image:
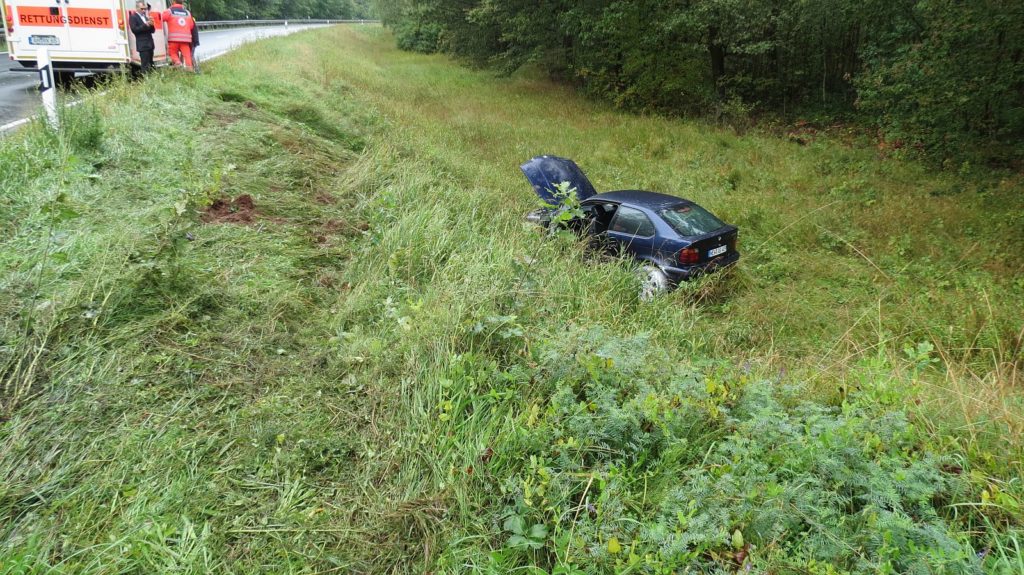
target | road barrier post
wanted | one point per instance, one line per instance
(47, 87)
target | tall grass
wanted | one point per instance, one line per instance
(385, 370)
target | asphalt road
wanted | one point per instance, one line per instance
(19, 99)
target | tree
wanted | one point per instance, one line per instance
(951, 77)
(939, 73)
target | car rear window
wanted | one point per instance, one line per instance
(691, 220)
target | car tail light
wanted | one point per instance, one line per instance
(689, 256)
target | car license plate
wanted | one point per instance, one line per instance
(44, 40)
(716, 252)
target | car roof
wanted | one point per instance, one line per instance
(650, 200)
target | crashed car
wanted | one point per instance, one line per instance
(674, 239)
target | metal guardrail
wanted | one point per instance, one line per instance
(214, 24)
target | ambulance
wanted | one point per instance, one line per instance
(80, 35)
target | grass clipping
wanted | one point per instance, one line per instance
(282, 318)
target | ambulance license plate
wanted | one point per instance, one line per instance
(44, 40)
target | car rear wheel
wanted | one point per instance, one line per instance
(653, 281)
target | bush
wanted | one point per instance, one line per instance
(939, 76)
(954, 89)
(416, 32)
(634, 463)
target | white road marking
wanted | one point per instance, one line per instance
(15, 124)
(23, 121)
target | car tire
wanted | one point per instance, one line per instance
(653, 281)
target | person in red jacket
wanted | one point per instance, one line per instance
(180, 25)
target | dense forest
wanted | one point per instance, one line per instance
(272, 9)
(944, 77)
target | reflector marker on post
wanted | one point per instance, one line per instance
(47, 87)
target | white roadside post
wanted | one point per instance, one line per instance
(46, 87)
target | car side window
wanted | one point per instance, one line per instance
(633, 222)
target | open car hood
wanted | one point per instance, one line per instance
(544, 172)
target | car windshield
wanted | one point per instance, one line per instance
(691, 220)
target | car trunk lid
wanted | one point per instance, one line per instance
(716, 244)
(545, 172)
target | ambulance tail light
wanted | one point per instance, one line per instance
(10, 19)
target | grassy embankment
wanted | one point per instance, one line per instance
(385, 370)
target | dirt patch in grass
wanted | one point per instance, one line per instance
(332, 228)
(241, 210)
(237, 98)
(346, 228)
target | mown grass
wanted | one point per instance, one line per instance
(386, 371)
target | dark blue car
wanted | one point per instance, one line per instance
(675, 239)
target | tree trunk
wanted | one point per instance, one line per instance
(717, 52)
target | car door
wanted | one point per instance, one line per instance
(633, 232)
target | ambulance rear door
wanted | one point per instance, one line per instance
(38, 23)
(96, 29)
(80, 31)
(159, 37)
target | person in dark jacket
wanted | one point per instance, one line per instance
(143, 27)
(195, 44)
